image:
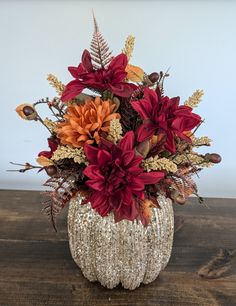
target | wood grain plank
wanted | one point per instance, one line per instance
(21, 217)
(36, 267)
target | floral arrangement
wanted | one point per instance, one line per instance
(116, 138)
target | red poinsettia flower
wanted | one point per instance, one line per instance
(110, 78)
(53, 144)
(164, 116)
(116, 178)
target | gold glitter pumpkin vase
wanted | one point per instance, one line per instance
(125, 252)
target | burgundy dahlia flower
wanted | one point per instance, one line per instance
(110, 78)
(116, 178)
(164, 116)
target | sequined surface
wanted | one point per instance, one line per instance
(125, 252)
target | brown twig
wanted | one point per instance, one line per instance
(27, 166)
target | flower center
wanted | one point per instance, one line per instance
(116, 176)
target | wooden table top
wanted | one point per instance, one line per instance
(36, 267)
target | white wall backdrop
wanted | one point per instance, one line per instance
(196, 38)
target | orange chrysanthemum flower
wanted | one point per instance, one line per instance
(85, 122)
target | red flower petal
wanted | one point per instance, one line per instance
(142, 107)
(127, 142)
(128, 156)
(151, 96)
(103, 157)
(73, 89)
(105, 144)
(53, 144)
(178, 124)
(116, 200)
(73, 71)
(119, 62)
(135, 164)
(137, 184)
(95, 184)
(126, 212)
(174, 102)
(170, 142)
(145, 131)
(127, 196)
(191, 122)
(87, 61)
(119, 75)
(93, 172)
(91, 153)
(183, 136)
(121, 89)
(151, 177)
(76, 71)
(47, 154)
(99, 202)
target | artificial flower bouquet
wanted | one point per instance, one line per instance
(116, 138)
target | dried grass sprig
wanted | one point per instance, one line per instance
(51, 125)
(63, 152)
(129, 46)
(201, 141)
(195, 99)
(156, 163)
(115, 133)
(192, 158)
(54, 82)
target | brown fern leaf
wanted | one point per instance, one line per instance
(63, 189)
(184, 184)
(188, 170)
(100, 52)
(138, 92)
